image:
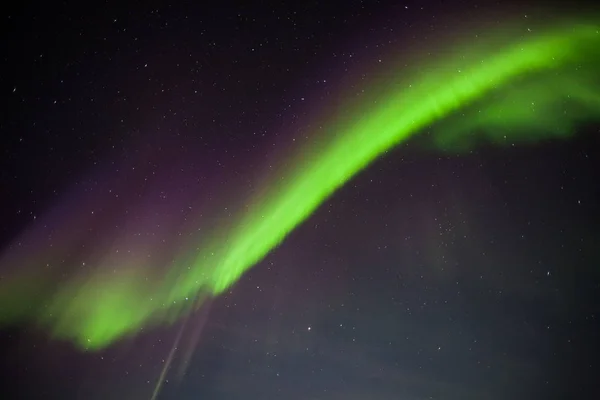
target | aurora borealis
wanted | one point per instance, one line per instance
(517, 88)
(301, 200)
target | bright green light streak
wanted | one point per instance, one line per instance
(552, 66)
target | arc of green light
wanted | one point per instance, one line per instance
(99, 311)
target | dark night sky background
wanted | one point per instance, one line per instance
(428, 276)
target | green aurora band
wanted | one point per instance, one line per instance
(537, 86)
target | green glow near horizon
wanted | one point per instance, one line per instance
(538, 86)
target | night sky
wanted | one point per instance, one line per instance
(428, 275)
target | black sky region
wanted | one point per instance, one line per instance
(428, 276)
